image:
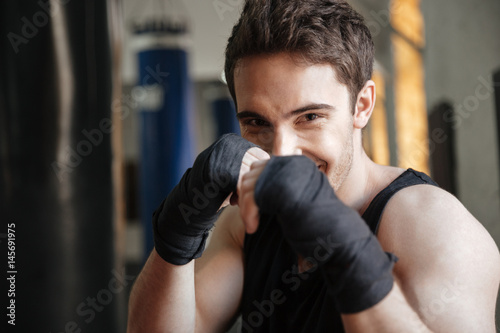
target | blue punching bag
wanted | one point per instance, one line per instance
(225, 116)
(166, 138)
(222, 108)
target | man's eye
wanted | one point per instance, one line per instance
(257, 122)
(311, 116)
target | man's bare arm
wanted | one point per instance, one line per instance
(201, 296)
(219, 275)
(163, 298)
(448, 274)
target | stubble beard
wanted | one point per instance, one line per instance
(342, 169)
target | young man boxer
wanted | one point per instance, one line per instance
(320, 239)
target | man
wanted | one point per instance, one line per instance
(293, 252)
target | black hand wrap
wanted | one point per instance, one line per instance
(182, 222)
(314, 221)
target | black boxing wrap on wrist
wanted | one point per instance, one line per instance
(356, 269)
(182, 223)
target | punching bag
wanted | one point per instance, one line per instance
(225, 115)
(166, 137)
(56, 188)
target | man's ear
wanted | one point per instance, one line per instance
(364, 105)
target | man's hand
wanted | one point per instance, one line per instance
(246, 191)
(299, 197)
(182, 222)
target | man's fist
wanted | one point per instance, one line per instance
(246, 194)
(182, 222)
(301, 199)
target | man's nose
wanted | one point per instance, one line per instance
(285, 143)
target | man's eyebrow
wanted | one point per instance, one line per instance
(248, 114)
(310, 107)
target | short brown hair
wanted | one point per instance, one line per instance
(319, 31)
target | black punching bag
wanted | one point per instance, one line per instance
(56, 187)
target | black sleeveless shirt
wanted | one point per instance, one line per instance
(276, 298)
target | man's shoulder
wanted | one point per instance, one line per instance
(422, 209)
(423, 220)
(425, 202)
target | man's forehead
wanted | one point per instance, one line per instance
(282, 74)
(283, 69)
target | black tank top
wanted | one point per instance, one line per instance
(276, 298)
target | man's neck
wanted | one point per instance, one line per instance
(365, 180)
